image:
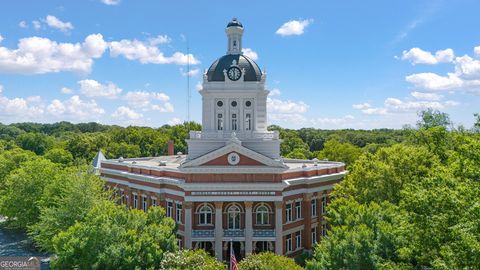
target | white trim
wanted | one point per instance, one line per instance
(306, 190)
(235, 198)
(294, 230)
(145, 188)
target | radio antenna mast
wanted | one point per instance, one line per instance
(188, 81)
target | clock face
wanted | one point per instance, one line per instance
(234, 73)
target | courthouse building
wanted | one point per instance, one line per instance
(233, 185)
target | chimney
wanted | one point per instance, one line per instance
(171, 151)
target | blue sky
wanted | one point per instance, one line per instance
(330, 64)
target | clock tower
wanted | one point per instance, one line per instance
(234, 98)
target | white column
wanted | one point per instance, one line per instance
(218, 231)
(188, 225)
(279, 228)
(248, 228)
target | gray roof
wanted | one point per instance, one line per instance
(99, 157)
(252, 71)
(234, 22)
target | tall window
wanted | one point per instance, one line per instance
(324, 229)
(314, 235)
(298, 210)
(298, 240)
(288, 243)
(127, 202)
(154, 201)
(144, 203)
(233, 214)
(169, 209)
(205, 215)
(135, 201)
(219, 121)
(314, 207)
(248, 121)
(324, 204)
(178, 211)
(288, 212)
(262, 214)
(234, 121)
(122, 197)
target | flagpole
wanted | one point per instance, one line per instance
(231, 251)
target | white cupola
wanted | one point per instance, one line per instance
(234, 32)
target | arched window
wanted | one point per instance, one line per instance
(205, 213)
(233, 214)
(262, 215)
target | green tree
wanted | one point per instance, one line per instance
(11, 160)
(190, 260)
(23, 190)
(114, 237)
(59, 155)
(337, 151)
(66, 199)
(433, 118)
(268, 261)
(36, 142)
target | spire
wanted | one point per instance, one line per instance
(234, 32)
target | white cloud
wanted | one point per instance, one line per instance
(56, 23)
(419, 56)
(147, 54)
(395, 105)
(36, 55)
(1, 38)
(199, 86)
(75, 108)
(160, 39)
(175, 121)
(426, 96)
(250, 53)
(111, 2)
(66, 90)
(274, 92)
(23, 24)
(149, 101)
(335, 122)
(36, 24)
(477, 50)
(190, 73)
(280, 106)
(92, 88)
(18, 109)
(125, 113)
(293, 27)
(464, 78)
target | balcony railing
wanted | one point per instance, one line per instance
(203, 233)
(233, 233)
(267, 135)
(264, 233)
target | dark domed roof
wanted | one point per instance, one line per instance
(252, 71)
(234, 22)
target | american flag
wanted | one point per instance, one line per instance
(233, 260)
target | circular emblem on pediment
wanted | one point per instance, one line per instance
(233, 158)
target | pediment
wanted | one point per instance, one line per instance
(227, 157)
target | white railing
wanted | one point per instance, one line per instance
(266, 135)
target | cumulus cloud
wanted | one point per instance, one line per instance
(334, 122)
(1, 38)
(419, 56)
(464, 78)
(146, 53)
(92, 88)
(190, 73)
(288, 106)
(125, 113)
(56, 23)
(111, 2)
(426, 96)
(75, 108)
(175, 121)
(476, 50)
(36, 55)
(66, 90)
(23, 24)
(293, 27)
(395, 105)
(149, 101)
(36, 24)
(250, 53)
(160, 39)
(274, 92)
(199, 86)
(19, 109)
